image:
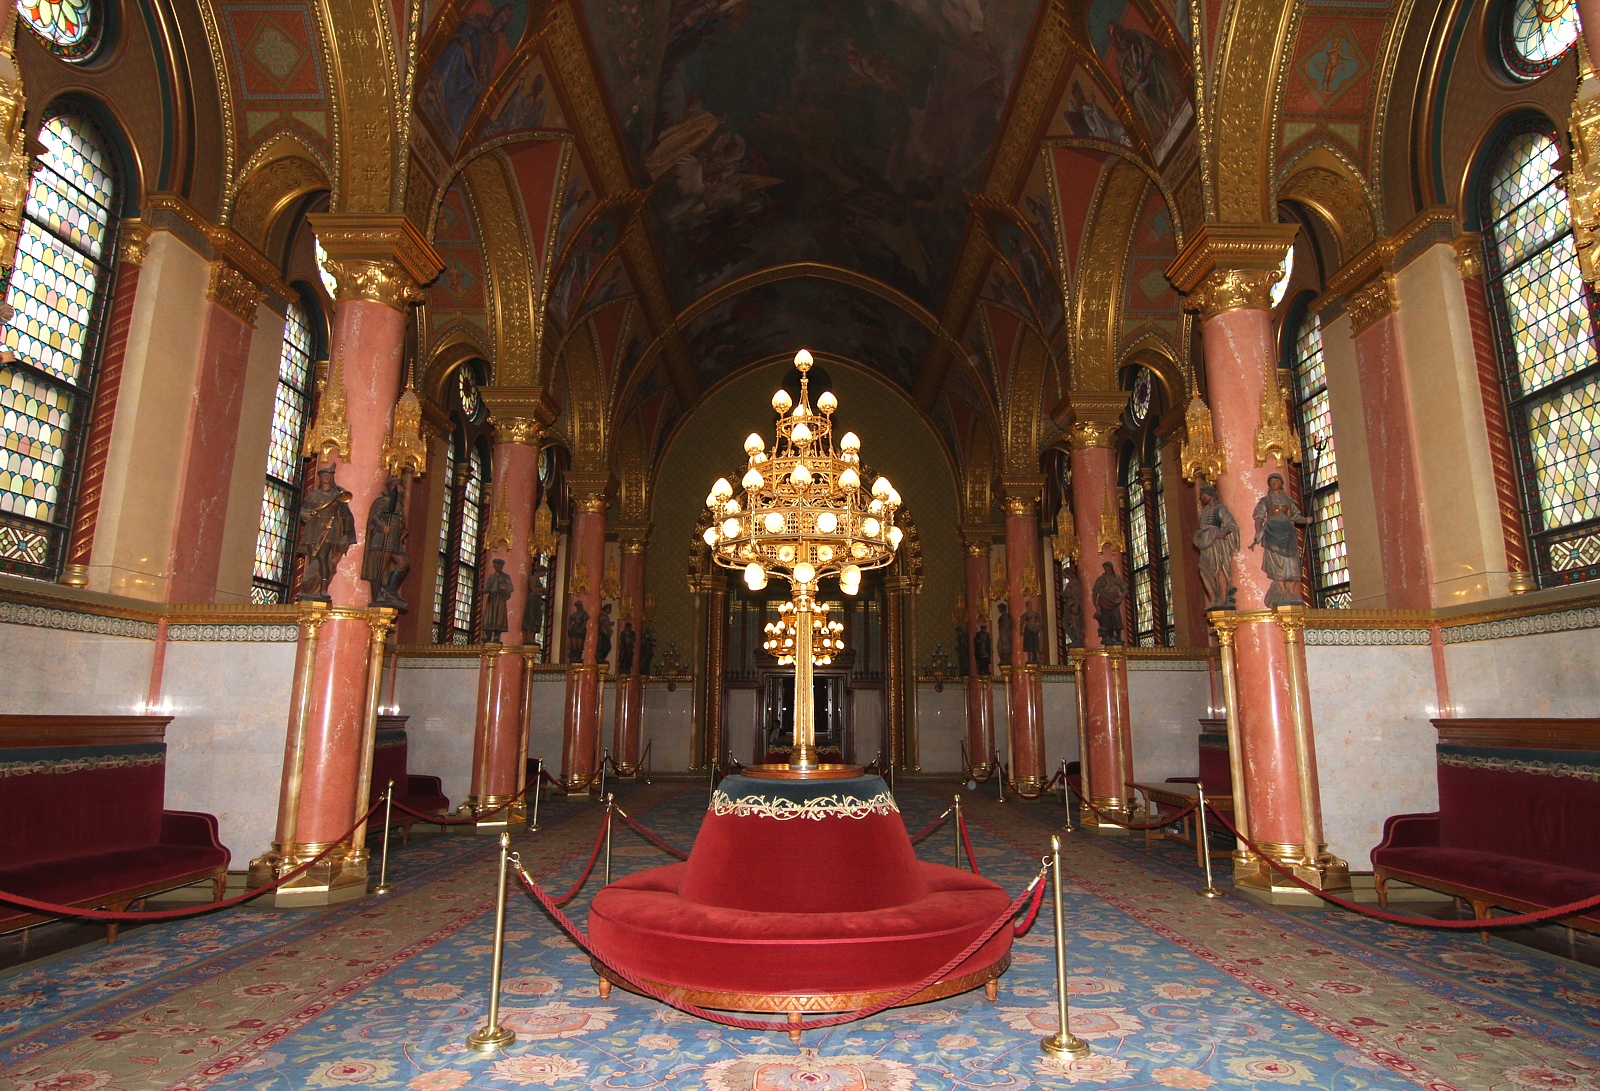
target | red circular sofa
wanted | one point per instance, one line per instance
(800, 896)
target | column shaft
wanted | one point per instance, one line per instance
(630, 685)
(1025, 743)
(980, 693)
(581, 726)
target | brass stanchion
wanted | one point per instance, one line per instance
(1066, 798)
(610, 806)
(1000, 770)
(1063, 1043)
(711, 792)
(492, 1035)
(956, 822)
(1204, 834)
(538, 777)
(604, 754)
(383, 886)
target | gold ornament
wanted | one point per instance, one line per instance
(329, 434)
(542, 542)
(580, 579)
(1110, 537)
(610, 582)
(405, 448)
(999, 585)
(1030, 581)
(499, 536)
(1582, 181)
(1065, 542)
(1201, 456)
(1275, 436)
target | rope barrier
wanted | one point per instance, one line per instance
(648, 836)
(442, 820)
(1571, 909)
(174, 914)
(1022, 926)
(1047, 786)
(927, 831)
(971, 857)
(588, 868)
(1162, 824)
(582, 940)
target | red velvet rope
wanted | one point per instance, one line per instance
(926, 831)
(588, 868)
(582, 940)
(441, 820)
(971, 858)
(1043, 788)
(650, 837)
(173, 914)
(1571, 909)
(1026, 923)
(1161, 824)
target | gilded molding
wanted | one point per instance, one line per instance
(1469, 253)
(133, 242)
(380, 258)
(1582, 181)
(235, 292)
(1372, 302)
(405, 448)
(1108, 237)
(1200, 456)
(370, 135)
(1389, 254)
(214, 241)
(1085, 434)
(518, 332)
(329, 433)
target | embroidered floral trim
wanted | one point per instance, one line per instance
(1513, 765)
(78, 765)
(816, 810)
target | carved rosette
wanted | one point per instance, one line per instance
(233, 289)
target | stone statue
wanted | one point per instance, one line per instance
(535, 605)
(602, 647)
(625, 644)
(1276, 517)
(385, 562)
(1217, 539)
(1071, 602)
(497, 591)
(1032, 632)
(982, 653)
(327, 531)
(1110, 592)
(577, 631)
(1005, 634)
(963, 650)
(647, 649)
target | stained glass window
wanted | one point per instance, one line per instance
(57, 291)
(1537, 34)
(280, 499)
(1143, 498)
(476, 491)
(70, 28)
(1329, 570)
(441, 576)
(1545, 316)
(1285, 271)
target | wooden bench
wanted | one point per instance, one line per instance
(82, 821)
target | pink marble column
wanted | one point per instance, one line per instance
(1270, 720)
(580, 733)
(630, 686)
(1025, 743)
(378, 261)
(980, 692)
(1107, 761)
(1391, 451)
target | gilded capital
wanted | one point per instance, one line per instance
(1292, 619)
(1089, 433)
(133, 242)
(1469, 253)
(1227, 267)
(378, 258)
(977, 549)
(594, 503)
(234, 290)
(384, 282)
(1373, 301)
(1227, 290)
(521, 430)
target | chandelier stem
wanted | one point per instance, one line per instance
(804, 753)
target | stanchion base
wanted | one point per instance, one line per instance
(1210, 892)
(383, 888)
(1065, 1046)
(487, 1039)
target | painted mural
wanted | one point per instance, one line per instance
(1151, 305)
(826, 130)
(457, 298)
(477, 49)
(1151, 83)
(824, 316)
(1331, 82)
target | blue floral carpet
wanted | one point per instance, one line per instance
(1170, 991)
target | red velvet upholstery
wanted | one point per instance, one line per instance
(799, 888)
(1534, 816)
(390, 757)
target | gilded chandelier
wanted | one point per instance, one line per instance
(803, 513)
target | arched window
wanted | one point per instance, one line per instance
(1143, 498)
(280, 499)
(58, 288)
(69, 28)
(1536, 34)
(465, 503)
(1545, 316)
(441, 578)
(474, 494)
(1329, 569)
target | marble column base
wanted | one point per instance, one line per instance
(1326, 872)
(490, 821)
(341, 876)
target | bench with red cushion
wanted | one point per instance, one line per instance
(1519, 803)
(82, 821)
(801, 896)
(389, 762)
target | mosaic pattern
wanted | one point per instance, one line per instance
(471, 539)
(291, 410)
(1574, 553)
(1319, 471)
(55, 291)
(440, 636)
(1538, 34)
(1546, 316)
(67, 26)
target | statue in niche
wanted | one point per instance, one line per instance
(1217, 539)
(1071, 604)
(327, 531)
(1004, 634)
(963, 651)
(497, 590)
(983, 650)
(602, 647)
(577, 631)
(386, 563)
(625, 647)
(1277, 516)
(1032, 632)
(647, 649)
(1110, 592)
(536, 604)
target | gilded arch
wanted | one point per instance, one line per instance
(1329, 187)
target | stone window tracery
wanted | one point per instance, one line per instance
(1329, 570)
(1545, 317)
(280, 498)
(1537, 34)
(69, 28)
(57, 289)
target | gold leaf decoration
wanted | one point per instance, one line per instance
(329, 434)
(405, 449)
(1110, 537)
(1064, 544)
(1201, 456)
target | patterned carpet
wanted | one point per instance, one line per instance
(1170, 991)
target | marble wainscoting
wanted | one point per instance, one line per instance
(867, 723)
(1539, 665)
(228, 687)
(1372, 700)
(1167, 698)
(1060, 716)
(941, 725)
(64, 663)
(439, 697)
(667, 724)
(547, 697)
(741, 722)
